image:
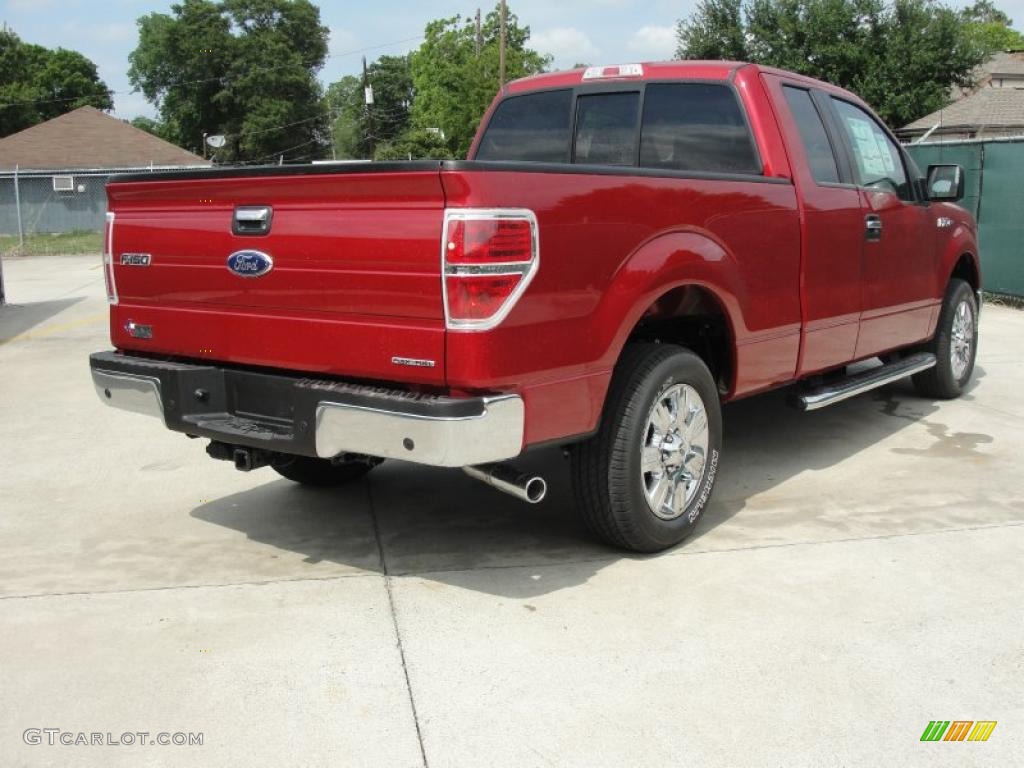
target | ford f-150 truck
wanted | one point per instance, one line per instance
(625, 249)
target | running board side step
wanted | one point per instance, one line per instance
(864, 381)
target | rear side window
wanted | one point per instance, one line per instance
(530, 128)
(813, 136)
(695, 127)
(606, 129)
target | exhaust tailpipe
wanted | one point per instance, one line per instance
(529, 488)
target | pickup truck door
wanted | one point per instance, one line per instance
(832, 226)
(898, 243)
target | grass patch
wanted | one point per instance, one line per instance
(47, 245)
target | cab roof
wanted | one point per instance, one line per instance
(658, 70)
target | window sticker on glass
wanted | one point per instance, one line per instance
(874, 157)
(878, 161)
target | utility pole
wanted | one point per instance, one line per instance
(501, 45)
(17, 205)
(21, 231)
(479, 34)
(368, 98)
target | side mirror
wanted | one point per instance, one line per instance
(945, 183)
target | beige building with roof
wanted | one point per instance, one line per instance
(994, 109)
(53, 175)
(88, 138)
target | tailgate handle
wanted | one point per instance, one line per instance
(252, 220)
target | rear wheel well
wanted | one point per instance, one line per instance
(691, 317)
(967, 271)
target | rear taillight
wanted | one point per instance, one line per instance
(108, 259)
(489, 256)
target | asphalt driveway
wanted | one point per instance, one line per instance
(856, 576)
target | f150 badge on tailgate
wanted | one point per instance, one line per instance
(250, 263)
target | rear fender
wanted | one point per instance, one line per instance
(665, 262)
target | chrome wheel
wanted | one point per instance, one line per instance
(675, 450)
(961, 344)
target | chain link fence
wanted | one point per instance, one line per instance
(52, 212)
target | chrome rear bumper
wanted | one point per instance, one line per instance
(312, 417)
(493, 432)
(138, 394)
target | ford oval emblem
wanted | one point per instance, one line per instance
(250, 263)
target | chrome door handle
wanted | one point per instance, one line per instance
(872, 227)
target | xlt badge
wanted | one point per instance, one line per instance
(413, 362)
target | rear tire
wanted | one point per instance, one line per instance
(955, 345)
(321, 473)
(642, 482)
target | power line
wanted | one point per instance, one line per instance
(279, 152)
(329, 113)
(333, 113)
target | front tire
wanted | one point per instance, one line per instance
(955, 345)
(321, 473)
(642, 482)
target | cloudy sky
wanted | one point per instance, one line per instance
(593, 31)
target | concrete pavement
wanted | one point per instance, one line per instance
(856, 576)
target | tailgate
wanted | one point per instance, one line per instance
(350, 269)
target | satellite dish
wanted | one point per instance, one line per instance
(216, 141)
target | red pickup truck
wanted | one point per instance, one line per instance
(625, 249)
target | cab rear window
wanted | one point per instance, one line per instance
(606, 129)
(684, 127)
(531, 128)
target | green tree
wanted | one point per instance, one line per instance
(17, 91)
(38, 84)
(714, 31)
(344, 99)
(415, 144)
(902, 56)
(149, 125)
(390, 77)
(243, 68)
(67, 80)
(454, 85)
(358, 127)
(990, 28)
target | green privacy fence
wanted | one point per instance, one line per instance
(994, 193)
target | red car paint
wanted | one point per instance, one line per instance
(357, 265)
